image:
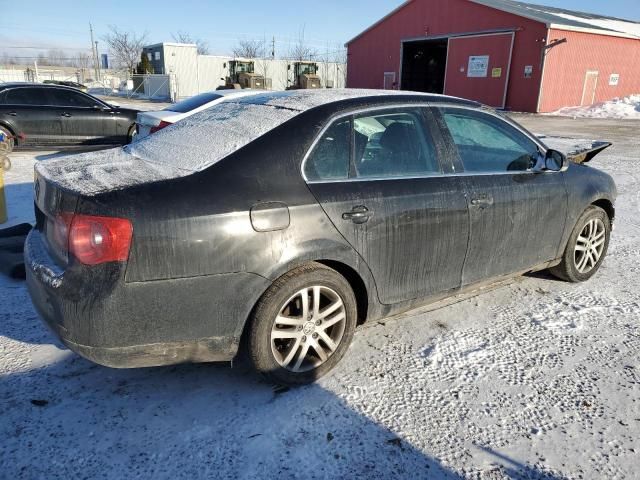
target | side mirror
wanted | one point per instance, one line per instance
(556, 161)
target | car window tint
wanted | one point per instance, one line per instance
(330, 157)
(25, 96)
(393, 144)
(193, 102)
(488, 144)
(67, 98)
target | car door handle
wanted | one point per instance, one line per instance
(66, 115)
(358, 215)
(482, 202)
(13, 114)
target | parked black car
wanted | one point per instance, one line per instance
(50, 115)
(286, 219)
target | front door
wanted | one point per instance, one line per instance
(379, 179)
(83, 120)
(517, 216)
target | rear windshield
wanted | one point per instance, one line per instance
(193, 102)
(205, 138)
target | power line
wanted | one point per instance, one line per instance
(41, 47)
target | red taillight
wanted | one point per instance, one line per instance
(94, 240)
(160, 126)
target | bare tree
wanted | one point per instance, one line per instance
(125, 47)
(249, 49)
(82, 61)
(56, 57)
(183, 37)
(300, 50)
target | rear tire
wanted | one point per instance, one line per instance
(9, 144)
(293, 341)
(587, 247)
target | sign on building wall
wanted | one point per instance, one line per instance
(528, 71)
(478, 66)
(614, 79)
(496, 73)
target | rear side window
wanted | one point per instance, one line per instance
(391, 144)
(193, 102)
(67, 98)
(25, 96)
(330, 157)
(488, 144)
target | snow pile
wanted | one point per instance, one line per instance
(630, 28)
(628, 107)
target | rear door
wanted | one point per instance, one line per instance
(478, 68)
(517, 216)
(83, 119)
(29, 112)
(380, 179)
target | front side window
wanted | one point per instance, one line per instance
(393, 144)
(329, 160)
(488, 144)
(66, 98)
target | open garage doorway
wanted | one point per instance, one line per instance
(424, 65)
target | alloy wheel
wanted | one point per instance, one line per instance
(308, 329)
(590, 245)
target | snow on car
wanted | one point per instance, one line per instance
(151, 122)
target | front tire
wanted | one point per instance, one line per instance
(303, 325)
(131, 136)
(587, 247)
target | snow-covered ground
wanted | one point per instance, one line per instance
(627, 107)
(534, 379)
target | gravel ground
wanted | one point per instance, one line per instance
(534, 379)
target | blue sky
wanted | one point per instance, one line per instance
(326, 23)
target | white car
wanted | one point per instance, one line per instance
(150, 122)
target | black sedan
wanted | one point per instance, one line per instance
(282, 221)
(34, 115)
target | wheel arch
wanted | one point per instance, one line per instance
(357, 285)
(607, 206)
(11, 130)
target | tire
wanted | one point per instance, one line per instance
(132, 134)
(8, 145)
(572, 268)
(279, 359)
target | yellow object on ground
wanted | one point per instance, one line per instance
(3, 201)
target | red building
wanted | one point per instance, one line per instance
(503, 53)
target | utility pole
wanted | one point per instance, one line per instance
(94, 46)
(273, 48)
(97, 62)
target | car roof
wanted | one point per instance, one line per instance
(4, 86)
(303, 100)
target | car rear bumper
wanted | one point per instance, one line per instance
(143, 324)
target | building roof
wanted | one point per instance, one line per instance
(552, 17)
(570, 19)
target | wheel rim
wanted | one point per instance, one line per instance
(308, 329)
(590, 245)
